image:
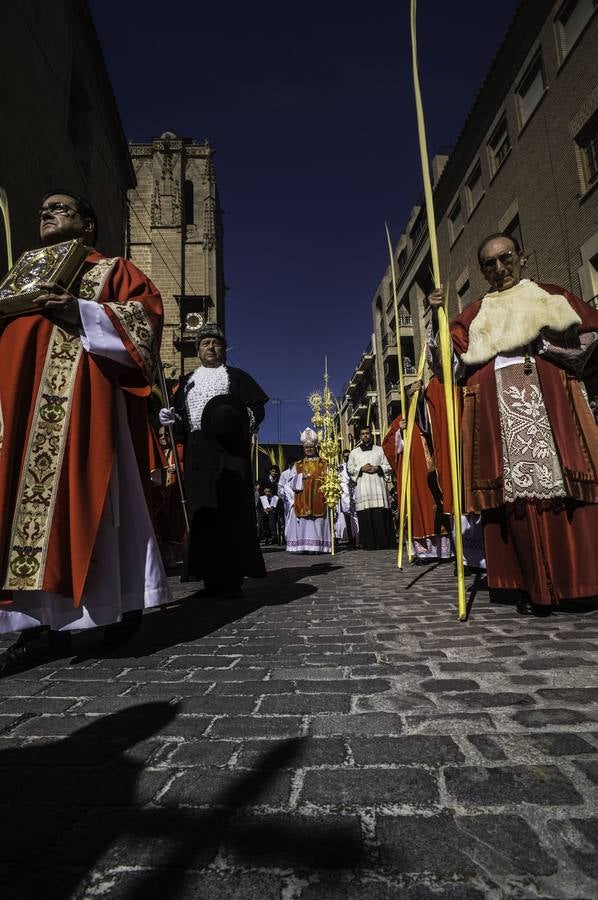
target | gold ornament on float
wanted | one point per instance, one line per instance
(323, 406)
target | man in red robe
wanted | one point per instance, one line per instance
(77, 547)
(431, 495)
(530, 441)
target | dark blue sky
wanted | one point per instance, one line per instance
(310, 109)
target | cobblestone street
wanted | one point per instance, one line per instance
(337, 733)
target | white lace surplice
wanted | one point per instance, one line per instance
(204, 384)
(531, 464)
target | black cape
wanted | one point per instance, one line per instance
(223, 545)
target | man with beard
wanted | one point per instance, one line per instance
(216, 409)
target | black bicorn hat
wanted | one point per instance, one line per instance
(225, 424)
(210, 330)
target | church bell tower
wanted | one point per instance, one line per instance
(175, 236)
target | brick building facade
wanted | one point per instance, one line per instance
(525, 162)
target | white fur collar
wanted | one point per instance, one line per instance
(508, 320)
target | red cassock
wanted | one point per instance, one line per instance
(59, 419)
(431, 494)
(544, 547)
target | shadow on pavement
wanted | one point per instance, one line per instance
(427, 568)
(480, 583)
(193, 617)
(52, 791)
(78, 806)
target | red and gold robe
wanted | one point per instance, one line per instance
(431, 493)
(309, 501)
(546, 548)
(59, 416)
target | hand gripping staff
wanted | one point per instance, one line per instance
(444, 334)
(175, 456)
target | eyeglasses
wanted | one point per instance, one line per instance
(506, 259)
(59, 209)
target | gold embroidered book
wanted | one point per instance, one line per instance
(20, 287)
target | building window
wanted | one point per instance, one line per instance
(463, 293)
(402, 260)
(456, 221)
(592, 266)
(513, 230)
(189, 205)
(587, 141)
(404, 316)
(419, 226)
(475, 188)
(571, 21)
(531, 90)
(425, 283)
(499, 145)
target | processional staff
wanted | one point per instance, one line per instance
(175, 456)
(444, 333)
(7, 234)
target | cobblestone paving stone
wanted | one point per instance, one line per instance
(336, 733)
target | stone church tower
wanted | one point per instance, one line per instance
(175, 236)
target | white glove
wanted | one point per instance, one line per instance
(168, 416)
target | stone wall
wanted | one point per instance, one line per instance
(60, 123)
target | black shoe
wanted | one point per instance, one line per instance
(119, 633)
(525, 607)
(34, 646)
(18, 657)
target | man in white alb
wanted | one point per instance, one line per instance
(368, 467)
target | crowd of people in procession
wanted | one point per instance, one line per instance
(86, 531)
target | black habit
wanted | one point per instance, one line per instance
(223, 545)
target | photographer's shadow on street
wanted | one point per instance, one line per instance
(78, 809)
